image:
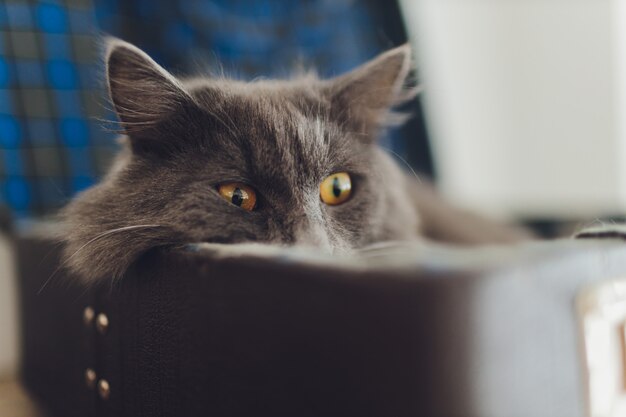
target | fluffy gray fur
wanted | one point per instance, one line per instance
(185, 137)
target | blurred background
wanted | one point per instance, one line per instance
(525, 104)
(523, 114)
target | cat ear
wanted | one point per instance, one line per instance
(363, 97)
(143, 93)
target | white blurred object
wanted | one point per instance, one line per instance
(526, 103)
(8, 311)
(602, 315)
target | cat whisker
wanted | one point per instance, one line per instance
(232, 123)
(405, 163)
(384, 248)
(133, 112)
(230, 130)
(98, 237)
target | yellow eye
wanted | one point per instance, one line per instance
(336, 188)
(238, 194)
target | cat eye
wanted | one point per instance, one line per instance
(336, 188)
(238, 194)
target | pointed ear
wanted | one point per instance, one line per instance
(143, 93)
(363, 97)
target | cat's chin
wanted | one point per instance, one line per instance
(248, 249)
(381, 255)
(263, 249)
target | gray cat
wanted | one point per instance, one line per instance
(286, 162)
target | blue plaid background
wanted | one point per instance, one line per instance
(52, 141)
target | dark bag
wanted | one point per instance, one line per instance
(490, 332)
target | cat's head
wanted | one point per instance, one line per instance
(215, 160)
